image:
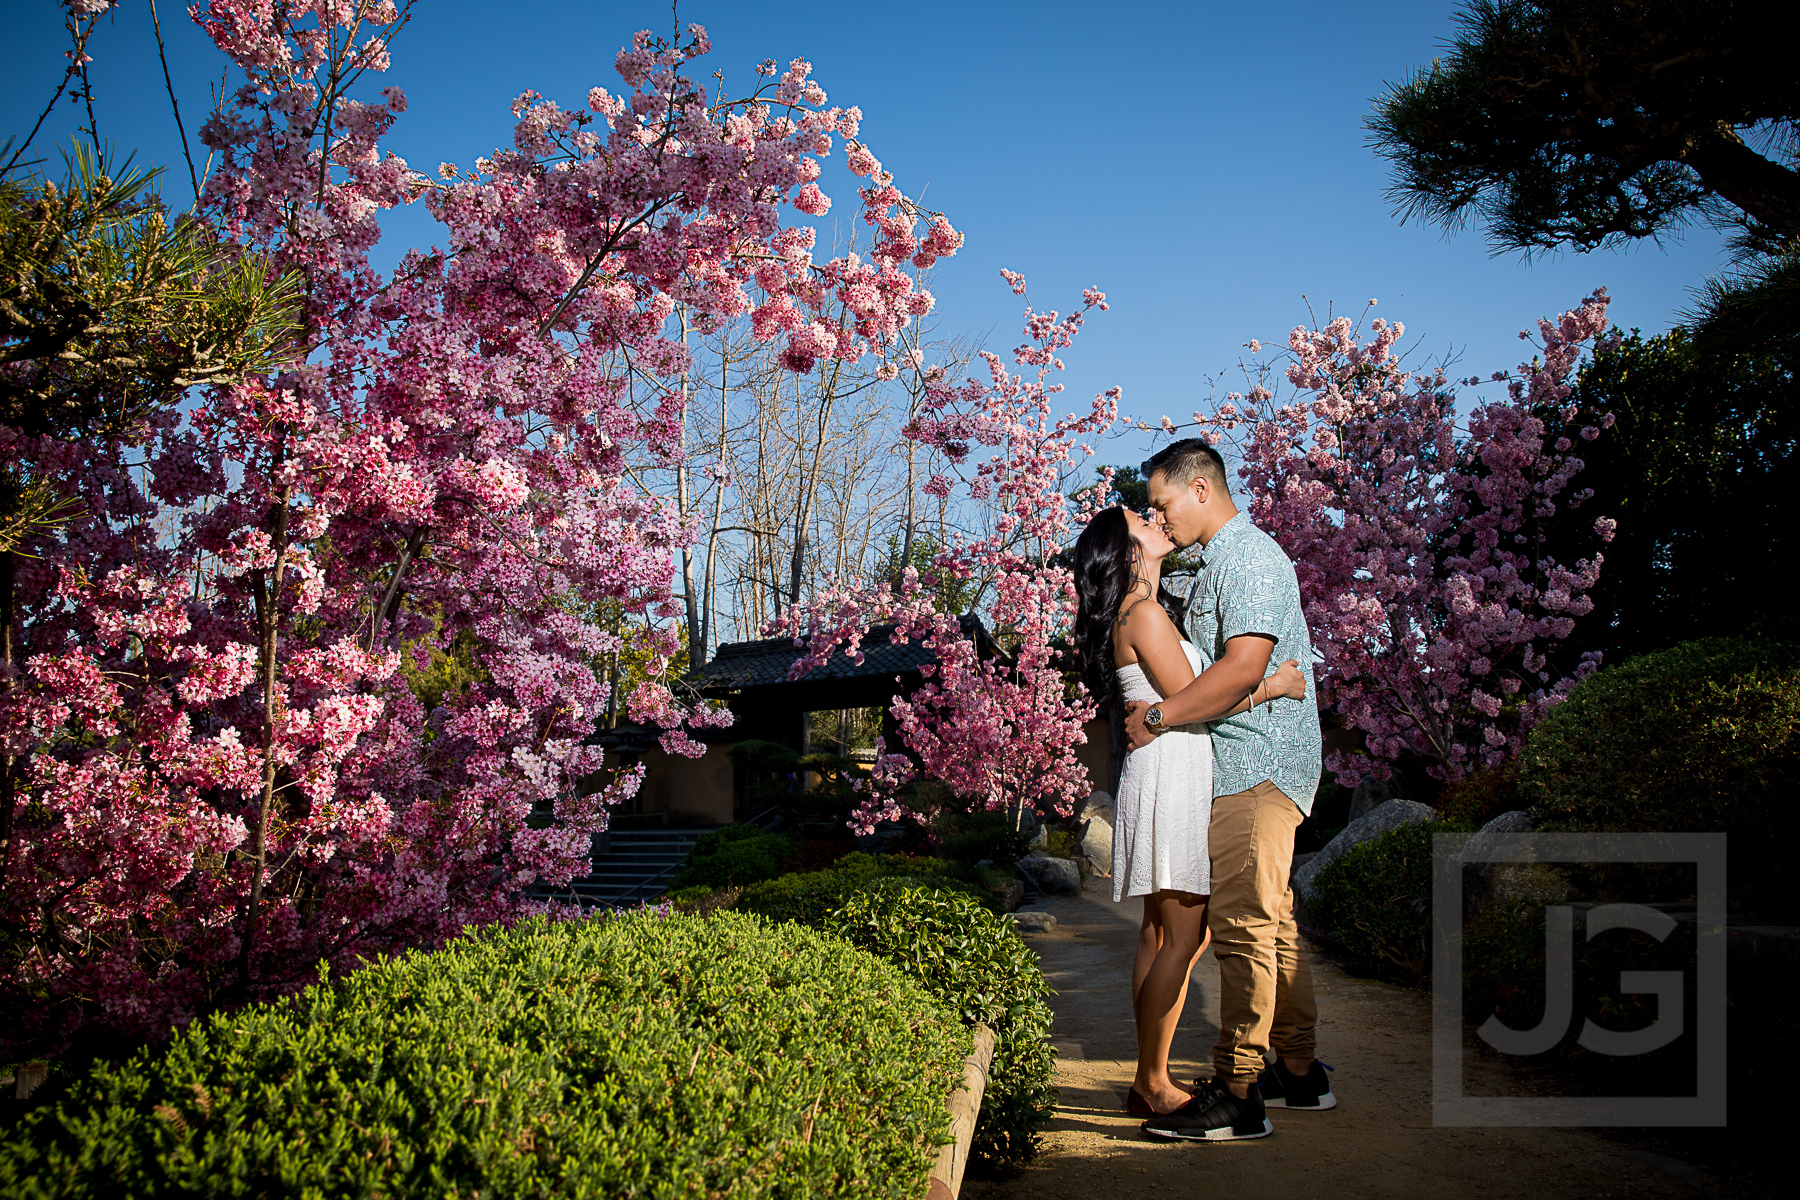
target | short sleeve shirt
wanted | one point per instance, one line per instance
(1247, 585)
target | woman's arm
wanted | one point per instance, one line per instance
(1286, 681)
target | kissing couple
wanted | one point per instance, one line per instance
(1224, 761)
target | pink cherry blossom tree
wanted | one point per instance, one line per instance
(1002, 731)
(225, 780)
(1432, 603)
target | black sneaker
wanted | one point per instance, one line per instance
(1214, 1115)
(1310, 1092)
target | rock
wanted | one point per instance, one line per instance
(1370, 795)
(1488, 884)
(1300, 860)
(1041, 839)
(1032, 922)
(1483, 843)
(1096, 844)
(1052, 874)
(1384, 817)
(1012, 895)
(1098, 804)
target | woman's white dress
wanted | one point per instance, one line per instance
(1164, 804)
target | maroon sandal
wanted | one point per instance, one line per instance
(1138, 1106)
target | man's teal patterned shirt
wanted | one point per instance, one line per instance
(1247, 585)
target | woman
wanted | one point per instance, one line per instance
(1131, 650)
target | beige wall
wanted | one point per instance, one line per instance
(692, 789)
(1096, 755)
(699, 789)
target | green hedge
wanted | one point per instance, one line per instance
(1702, 737)
(1375, 901)
(810, 897)
(734, 856)
(975, 963)
(632, 1056)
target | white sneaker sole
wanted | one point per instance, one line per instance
(1326, 1101)
(1222, 1134)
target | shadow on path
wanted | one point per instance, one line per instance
(1379, 1142)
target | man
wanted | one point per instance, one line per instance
(1243, 613)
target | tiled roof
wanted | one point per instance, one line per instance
(765, 663)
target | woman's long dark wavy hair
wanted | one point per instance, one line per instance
(1103, 574)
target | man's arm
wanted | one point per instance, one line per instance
(1214, 692)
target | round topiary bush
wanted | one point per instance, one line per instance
(735, 856)
(1702, 737)
(1374, 902)
(812, 896)
(975, 963)
(632, 1056)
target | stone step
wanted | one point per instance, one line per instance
(631, 865)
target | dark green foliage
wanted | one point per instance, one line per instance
(1478, 798)
(1503, 969)
(950, 593)
(453, 669)
(1697, 472)
(1375, 901)
(735, 856)
(776, 776)
(810, 897)
(975, 963)
(1698, 738)
(624, 1057)
(1559, 122)
(971, 837)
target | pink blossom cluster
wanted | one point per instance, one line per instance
(1431, 599)
(449, 451)
(1002, 731)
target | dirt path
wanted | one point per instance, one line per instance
(1379, 1142)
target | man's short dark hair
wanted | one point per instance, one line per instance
(1182, 462)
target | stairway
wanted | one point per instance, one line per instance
(630, 867)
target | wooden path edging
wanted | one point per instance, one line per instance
(965, 1106)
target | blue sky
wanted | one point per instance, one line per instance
(1202, 163)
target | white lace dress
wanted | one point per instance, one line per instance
(1164, 803)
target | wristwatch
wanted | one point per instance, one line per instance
(1153, 718)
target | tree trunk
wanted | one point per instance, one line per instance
(390, 596)
(809, 483)
(8, 780)
(267, 585)
(712, 538)
(1765, 190)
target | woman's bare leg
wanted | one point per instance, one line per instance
(1149, 942)
(1181, 924)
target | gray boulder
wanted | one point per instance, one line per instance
(1489, 884)
(1382, 819)
(1370, 795)
(1052, 874)
(1032, 922)
(1098, 804)
(1096, 844)
(1482, 844)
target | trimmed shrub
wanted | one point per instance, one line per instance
(811, 897)
(627, 1056)
(1375, 901)
(975, 963)
(1479, 797)
(1701, 737)
(735, 856)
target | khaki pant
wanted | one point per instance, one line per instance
(1266, 987)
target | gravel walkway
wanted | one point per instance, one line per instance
(1379, 1142)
